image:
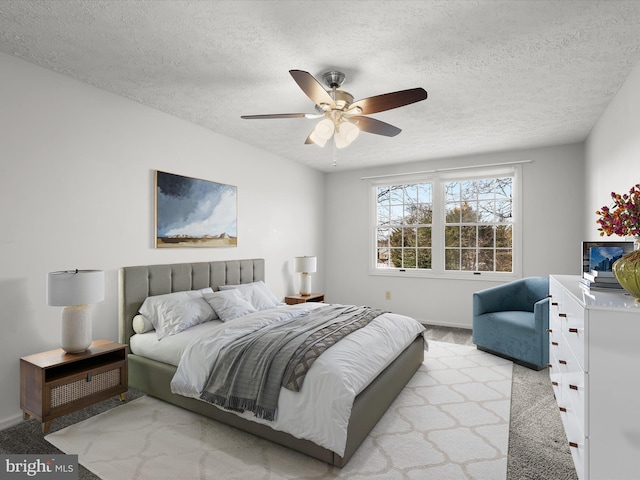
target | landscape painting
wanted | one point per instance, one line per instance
(194, 213)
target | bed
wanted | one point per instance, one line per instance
(154, 377)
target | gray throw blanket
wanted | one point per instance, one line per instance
(250, 370)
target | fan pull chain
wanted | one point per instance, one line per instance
(335, 155)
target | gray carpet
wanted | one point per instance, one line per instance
(538, 449)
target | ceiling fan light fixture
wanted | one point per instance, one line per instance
(323, 131)
(321, 142)
(346, 133)
(325, 128)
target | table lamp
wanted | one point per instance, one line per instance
(75, 290)
(305, 266)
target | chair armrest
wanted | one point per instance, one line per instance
(541, 314)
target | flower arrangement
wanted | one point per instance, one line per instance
(623, 218)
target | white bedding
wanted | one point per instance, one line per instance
(169, 349)
(320, 411)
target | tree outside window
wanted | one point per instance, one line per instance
(405, 214)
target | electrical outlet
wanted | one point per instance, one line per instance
(387, 295)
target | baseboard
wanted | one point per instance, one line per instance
(10, 421)
(443, 324)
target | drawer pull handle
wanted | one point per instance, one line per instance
(555, 304)
(562, 362)
(549, 330)
(549, 365)
(563, 315)
(554, 383)
(555, 344)
(573, 444)
(89, 377)
(573, 387)
(573, 330)
(562, 409)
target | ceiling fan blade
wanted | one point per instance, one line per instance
(387, 101)
(312, 88)
(371, 125)
(275, 115)
(308, 141)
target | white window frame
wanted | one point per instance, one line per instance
(437, 178)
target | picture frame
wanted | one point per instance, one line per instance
(192, 212)
(627, 247)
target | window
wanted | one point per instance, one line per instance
(403, 234)
(478, 230)
(448, 223)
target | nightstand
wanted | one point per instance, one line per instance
(314, 297)
(56, 383)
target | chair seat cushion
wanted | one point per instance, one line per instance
(509, 333)
(515, 320)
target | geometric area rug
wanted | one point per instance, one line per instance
(451, 421)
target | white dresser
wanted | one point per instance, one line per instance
(594, 366)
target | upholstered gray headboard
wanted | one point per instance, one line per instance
(139, 282)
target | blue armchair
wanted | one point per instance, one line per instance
(511, 320)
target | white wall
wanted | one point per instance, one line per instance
(552, 224)
(76, 191)
(612, 153)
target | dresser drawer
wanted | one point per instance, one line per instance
(555, 375)
(555, 329)
(572, 325)
(578, 443)
(572, 385)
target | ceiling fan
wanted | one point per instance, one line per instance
(343, 118)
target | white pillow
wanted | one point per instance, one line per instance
(257, 292)
(229, 304)
(172, 313)
(142, 324)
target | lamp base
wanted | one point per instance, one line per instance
(76, 328)
(305, 284)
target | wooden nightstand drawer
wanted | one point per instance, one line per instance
(85, 384)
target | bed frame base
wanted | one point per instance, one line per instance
(154, 378)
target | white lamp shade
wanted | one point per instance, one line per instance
(75, 287)
(305, 264)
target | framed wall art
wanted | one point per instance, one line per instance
(191, 212)
(594, 253)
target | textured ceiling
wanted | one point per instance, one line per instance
(500, 74)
